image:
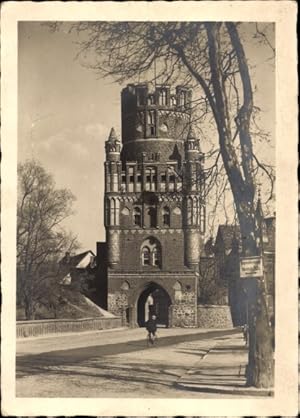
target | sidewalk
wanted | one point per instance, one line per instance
(222, 370)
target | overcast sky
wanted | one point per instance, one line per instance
(66, 112)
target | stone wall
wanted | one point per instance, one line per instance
(117, 302)
(214, 316)
(183, 312)
(56, 326)
(183, 315)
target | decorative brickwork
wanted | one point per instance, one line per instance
(153, 208)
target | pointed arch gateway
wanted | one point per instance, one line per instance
(153, 300)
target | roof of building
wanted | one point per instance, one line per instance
(112, 136)
(227, 233)
(75, 260)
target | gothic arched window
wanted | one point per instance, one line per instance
(166, 216)
(151, 252)
(137, 216)
(146, 259)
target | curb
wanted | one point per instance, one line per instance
(246, 391)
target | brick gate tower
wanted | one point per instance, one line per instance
(154, 210)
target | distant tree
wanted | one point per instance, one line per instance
(41, 239)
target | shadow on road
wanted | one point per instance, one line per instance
(100, 368)
(37, 363)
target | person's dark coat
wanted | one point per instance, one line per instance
(151, 325)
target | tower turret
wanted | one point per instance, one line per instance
(113, 147)
(193, 179)
(112, 202)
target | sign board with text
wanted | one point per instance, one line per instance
(251, 267)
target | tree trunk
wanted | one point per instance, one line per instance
(260, 369)
(260, 364)
(29, 310)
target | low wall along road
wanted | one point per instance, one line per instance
(214, 316)
(54, 326)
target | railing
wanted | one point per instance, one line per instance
(56, 326)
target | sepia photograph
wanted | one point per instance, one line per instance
(148, 188)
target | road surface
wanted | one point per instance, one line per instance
(115, 363)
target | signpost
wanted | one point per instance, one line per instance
(251, 267)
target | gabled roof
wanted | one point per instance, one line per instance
(75, 260)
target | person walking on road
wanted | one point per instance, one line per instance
(151, 327)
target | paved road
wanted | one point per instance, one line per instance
(115, 363)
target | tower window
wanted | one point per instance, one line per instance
(130, 173)
(151, 252)
(146, 256)
(151, 99)
(151, 119)
(171, 176)
(155, 257)
(162, 98)
(166, 216)
(137, 217)
(114, 211)
(182, 98)
(141, 97)
(151, 179)
(151, 212)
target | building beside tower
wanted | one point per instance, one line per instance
(154, 208)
